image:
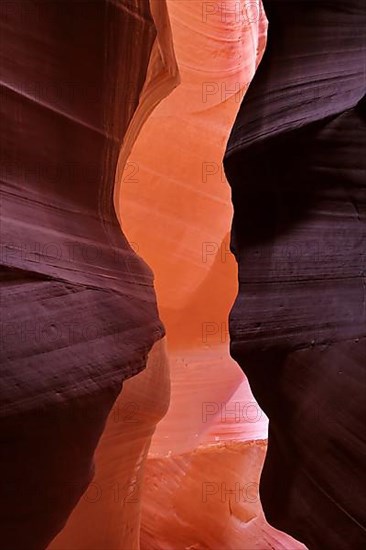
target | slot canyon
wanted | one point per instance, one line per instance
(183, 288)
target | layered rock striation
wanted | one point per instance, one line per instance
(295, 162)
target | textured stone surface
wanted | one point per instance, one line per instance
(79, 312)
(86, 122)
(296, 165)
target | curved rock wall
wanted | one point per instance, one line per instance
(295, 162)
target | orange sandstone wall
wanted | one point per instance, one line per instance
(198, 488)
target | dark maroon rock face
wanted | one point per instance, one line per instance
(78, 307)
(296, 163)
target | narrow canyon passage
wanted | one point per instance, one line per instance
(160, 391)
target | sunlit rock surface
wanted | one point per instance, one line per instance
(192, 483)
(66, 114)
(174, 179)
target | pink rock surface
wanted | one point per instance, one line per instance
(198, 488)
(174, 177)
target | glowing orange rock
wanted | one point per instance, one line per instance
(174, 177)
(200, 486)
